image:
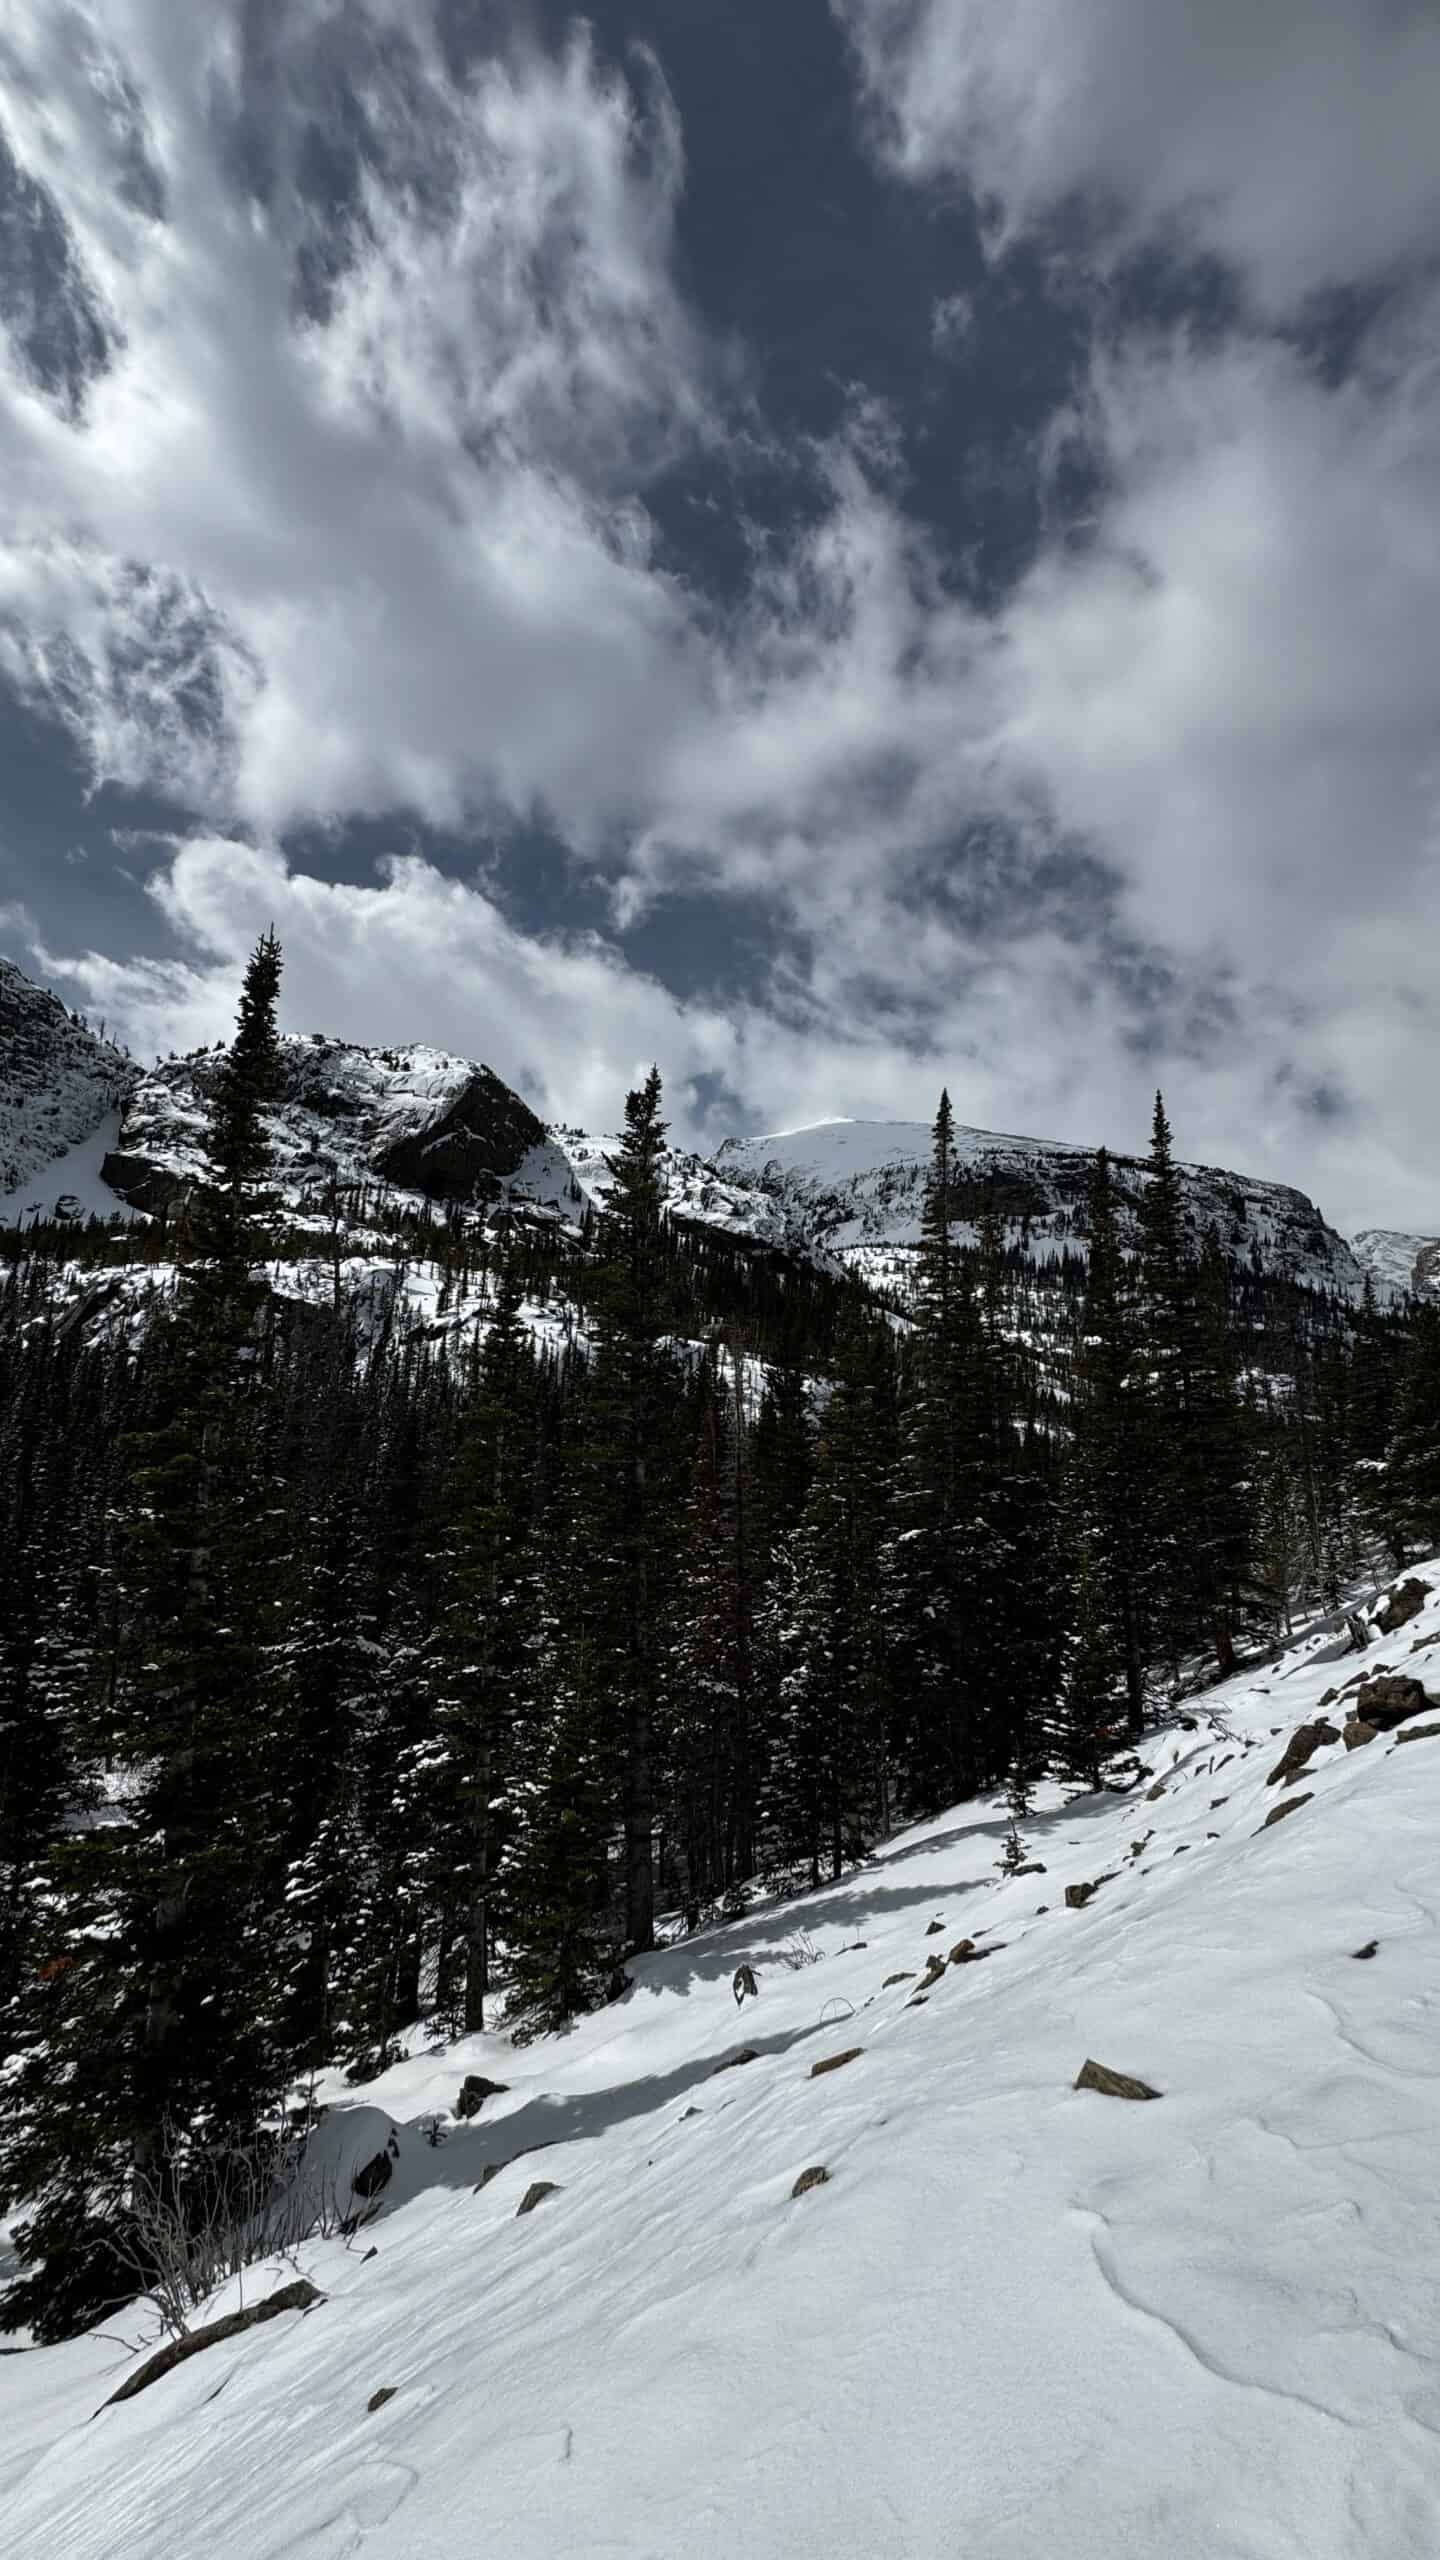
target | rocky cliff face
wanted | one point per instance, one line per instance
(57, 1078)
(854, 1189)
(348, 1118)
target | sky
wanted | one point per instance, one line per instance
(840, 546)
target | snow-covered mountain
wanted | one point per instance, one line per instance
(1400, 1265)
(59, 1084)
(896, 2288)
(420, 1124)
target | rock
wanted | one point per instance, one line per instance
(1357, 1733)
(1032, 1867)
(1217, 1801)
(1113, 2084)
(835, 2061)
(1303, 1743)
(1139, 1847)
(691, 2111)
(371, 2252)
(808, 2178)
(1384, 1703)
(299, 2296)
(1363, 1954)
(1277, 1812)
(919, 2001)
(1401, 1604)
(491, 2170)
(733, 2061)
(962, 1948)
(537, 2194)
(378, 2398)
(744, 1985)
(1418, 1733)
(1154, 1794)
(968, 1953)
(935, 1929)
(896, 1977)
(934, 1967)
(373, 2178)
(1180, 1851)
(474, 2090)
(1077, 1895)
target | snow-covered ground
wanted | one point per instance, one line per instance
(70, 1185)
(1018, 2320)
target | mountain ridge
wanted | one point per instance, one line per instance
(427, 1125)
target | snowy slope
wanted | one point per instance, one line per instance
(71, 1185)
(1400, 1264)
(857, 1186)
(58, 1081)
(1019, 2320)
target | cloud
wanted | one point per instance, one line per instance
(1295, 140)
(336, 503)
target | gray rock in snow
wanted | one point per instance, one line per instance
(835, 2061)
(537, 2194)
(474, 2090)
(1303, 1743)
(1384, 1703)
(808, 2178)
(1357, 1733)
(1277, 1812)
(1401, 1604)
(1113, 2084)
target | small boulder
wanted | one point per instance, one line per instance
(1418, 1733)
(1077, 1895)
(934, 1967)
(1277, 1812)
(1363, 1954)
(968, 1953)
(935, 1929)
(691, 2111)
(1113, 2084)
(1386, 1702)
(1357, 1733)
(375, 2175)
(1303, 1743)
(896, 1977)
(474, 2090)
(733, 2061)
(1154, 1794)
(536, 2194)
(808, 2178)
(835, 2061)
(378, 2398)
(1404, 1602)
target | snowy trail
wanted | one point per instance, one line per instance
(1019, 2318)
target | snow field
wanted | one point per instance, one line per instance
(1018, 2320)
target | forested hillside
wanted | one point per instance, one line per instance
(410, 1615)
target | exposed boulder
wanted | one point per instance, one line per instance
(733, 2061)
(378, 2398)
(465, 1151)
(1304, 1742)
(1357, 1733)
(1113, 2084)
(1418, 1733)
(808, 2178)
(474, 2090)
(1278, 1812)
(299, 2296)
(1363, 1954)
(896, 1977)
(537, 2194)
(835, 2061)
(1390, 1700)
(374, 2176)
(1404, 1602)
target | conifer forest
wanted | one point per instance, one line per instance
(349, 1681)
